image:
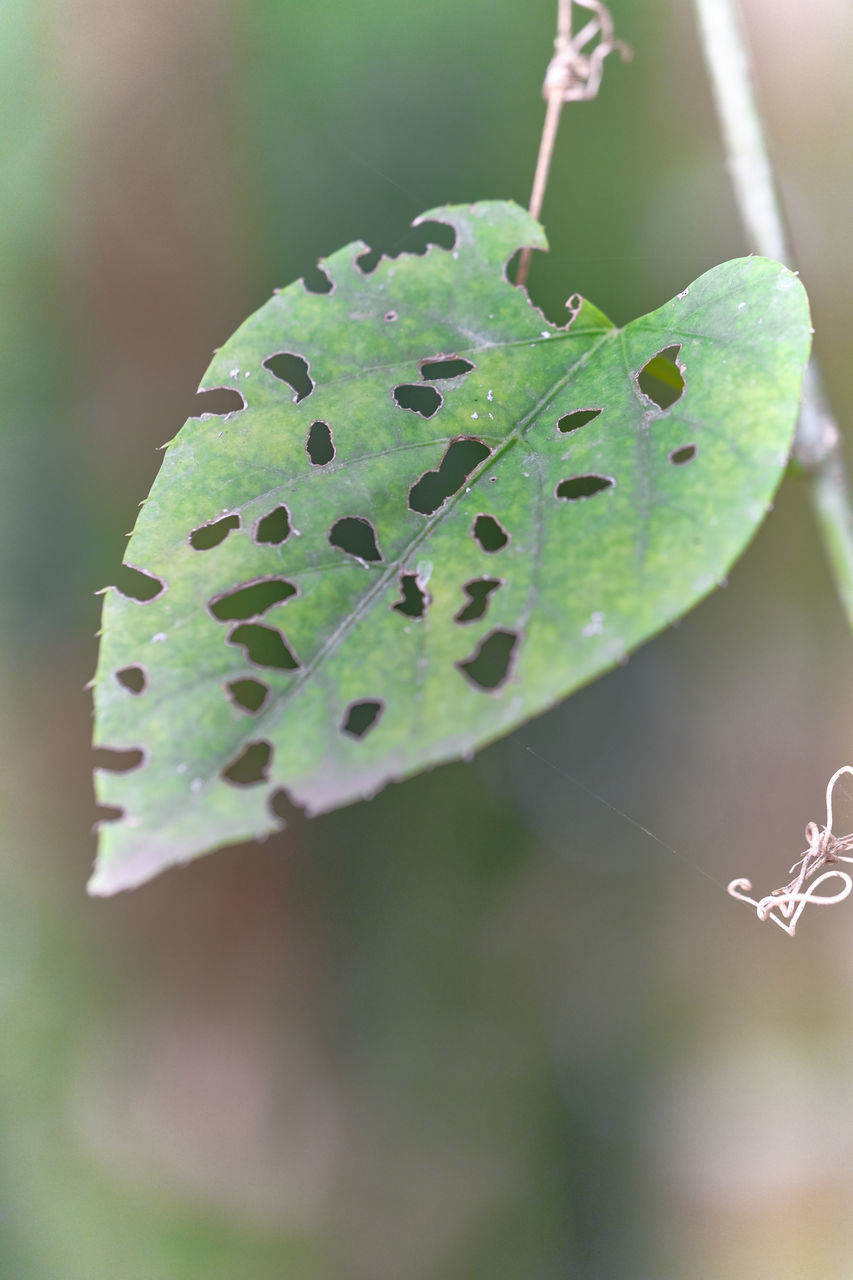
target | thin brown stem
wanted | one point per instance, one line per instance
(549, 135)
(572, 76)
(543, 168)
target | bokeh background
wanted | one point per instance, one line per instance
(481, 1027)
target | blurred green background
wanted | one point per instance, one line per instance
(481, 1027)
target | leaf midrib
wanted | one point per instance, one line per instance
(363, 605)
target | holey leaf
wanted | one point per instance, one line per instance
(434, 515)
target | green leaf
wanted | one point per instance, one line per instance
(447, 516)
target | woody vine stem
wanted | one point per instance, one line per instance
(817, 443)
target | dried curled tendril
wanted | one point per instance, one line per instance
(785, 906)
(577, 74)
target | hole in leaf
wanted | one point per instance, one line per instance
(419, 238)
(137, 585)
(490, 533)
(583, 486)
(107, 813)
(250, 766)
(133, 679)
(423, 400)
(219, 400)
(478, 592)
(251, 599)
(361, 717)
(432, 369)
(264, 646)
(413, 599)
(249, 695)
(434, 487)
(511, 267)
(315, 280)
(414, 240)
(686, 453)
(541, 288)
(274, 527)
(573, 305)
(293, 370)
(661, 380)
(580, 417)
(390, 315)
(488, 666)
(282, 805)
(356, 537)
(207, 536)
(118, 761)
(320, 445)
(368, 261)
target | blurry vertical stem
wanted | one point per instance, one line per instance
(549, 136)
(817, 443)
(572, 76)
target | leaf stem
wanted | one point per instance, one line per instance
(572, 76)
(817, 442)
(540, 179)
(549, 136)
